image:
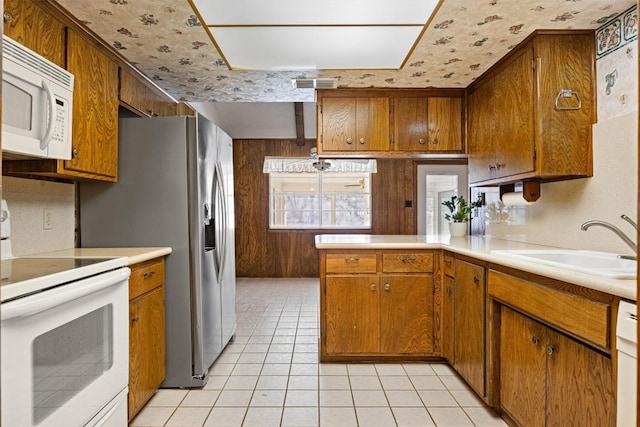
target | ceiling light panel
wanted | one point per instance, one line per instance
(315, 12)
(311, 48)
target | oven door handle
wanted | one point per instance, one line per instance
(42, 301)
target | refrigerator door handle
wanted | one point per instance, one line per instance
(209, 229)
(222, 251)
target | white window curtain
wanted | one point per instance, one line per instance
(305, 164)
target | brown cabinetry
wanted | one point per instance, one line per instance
(557, 367)
(95, 96)
(354, 124)
(146, 332)
(530, 115)
(547, 378)
(448, 297)
(469, 324)
(376, 305)
(141, 98)
(379, 121)
(29, 25)
(424, 123)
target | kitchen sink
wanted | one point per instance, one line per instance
(603, 264)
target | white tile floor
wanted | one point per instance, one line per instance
(270, 376)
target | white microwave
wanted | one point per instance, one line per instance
(37, 105)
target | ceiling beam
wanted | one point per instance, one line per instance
(299, 123)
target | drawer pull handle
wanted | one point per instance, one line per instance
(448, 290)
(372, 287)
(149, 274)
(448, 261)
(409, 259)
(387, 287)
(352, 259)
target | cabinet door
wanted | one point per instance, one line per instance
(411, 124)
(29, 25)
(514, 140)
(352, 314)
(372, 124)
(579, 384)
(522, 368)
(481, 129)
(146, 348)
(445, 124)
(95, 110)
(447, 318)
(338, 124)
(469, 324)
(406, 314)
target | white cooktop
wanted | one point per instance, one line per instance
(24, 276)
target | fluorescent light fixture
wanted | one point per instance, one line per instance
(314, 83)
(324, 34)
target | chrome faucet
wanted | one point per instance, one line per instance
(613, 228)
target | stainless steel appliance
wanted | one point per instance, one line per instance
(627, 346)
(37, 96)
(64, 339)
(175, 188)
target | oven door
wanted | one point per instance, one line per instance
(65, 351)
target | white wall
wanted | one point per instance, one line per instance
(27, 199)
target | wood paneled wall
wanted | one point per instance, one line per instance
(261, 252)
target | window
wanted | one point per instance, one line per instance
(320, 199)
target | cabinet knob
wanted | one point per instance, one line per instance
(499, 165)
(476, 280)
(134, 320)
(435, 141)
(491, 167)
(7, 16)
(550, 349)
(372, 287)
(422, 141)
(349, 141)
(535, 340)
(362, 141)
(448, 290)
(387, 287)
(74, 153)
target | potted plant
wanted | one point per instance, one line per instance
(460, 212)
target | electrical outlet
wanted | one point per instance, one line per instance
(47, 219)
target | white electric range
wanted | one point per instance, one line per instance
(64, 339)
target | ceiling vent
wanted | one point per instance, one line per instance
(314, 83)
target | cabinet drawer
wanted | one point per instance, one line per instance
(351, 263)
(407, 263)
(146, 276)
(581, 317)
(449, 265)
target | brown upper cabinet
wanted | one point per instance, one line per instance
(31, 26)
(354, 124)
(530, 115)
(432, 123)
(139, 97)
(390, 121)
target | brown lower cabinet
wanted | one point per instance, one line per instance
(547, 378)
(146, 332)
(469, 324)
(369, 314)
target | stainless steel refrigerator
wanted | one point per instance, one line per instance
(175, 188)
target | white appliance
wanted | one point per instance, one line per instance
(175, 188)
(64, 339)
(37, 104)
(627, 346)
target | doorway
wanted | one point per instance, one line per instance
(437, 183)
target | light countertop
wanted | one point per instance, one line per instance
(134, 254)
(479, 247)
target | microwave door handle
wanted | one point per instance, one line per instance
(44, 143)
